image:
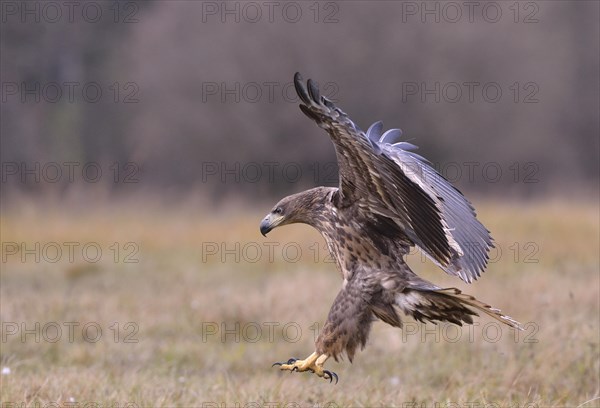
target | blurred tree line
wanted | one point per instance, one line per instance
(196, 96)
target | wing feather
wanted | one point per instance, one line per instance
(385, 177)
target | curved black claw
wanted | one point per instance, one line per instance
(290, 361)
(331, 375)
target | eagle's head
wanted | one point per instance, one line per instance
(305, 207)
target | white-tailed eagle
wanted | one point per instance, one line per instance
(388, 200)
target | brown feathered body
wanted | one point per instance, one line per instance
(369, 252)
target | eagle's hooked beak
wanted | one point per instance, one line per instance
(269, 222)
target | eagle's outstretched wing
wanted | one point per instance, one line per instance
(385, 177)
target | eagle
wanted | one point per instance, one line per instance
(389, 199)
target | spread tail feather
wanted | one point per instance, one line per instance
(449, 305)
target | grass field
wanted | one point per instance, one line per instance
(146, 307)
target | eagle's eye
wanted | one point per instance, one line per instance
(278, 210)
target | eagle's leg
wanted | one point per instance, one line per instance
(313, 363)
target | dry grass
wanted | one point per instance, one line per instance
(176, 294)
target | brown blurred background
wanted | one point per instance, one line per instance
(195, 97)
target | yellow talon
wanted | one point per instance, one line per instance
(313, 363)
